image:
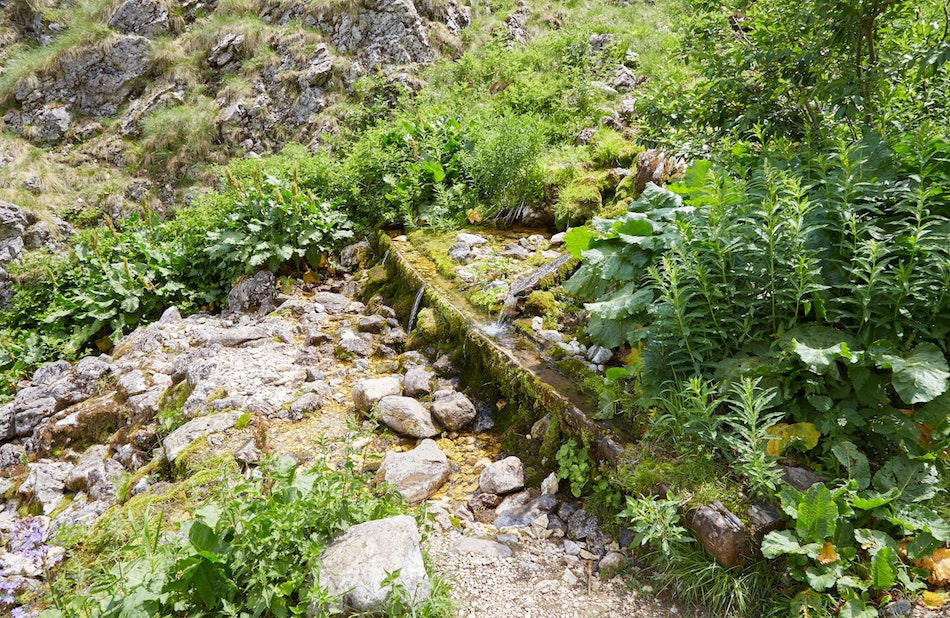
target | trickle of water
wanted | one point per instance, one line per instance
(415, 309)
(385, 257)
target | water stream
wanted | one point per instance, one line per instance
(415, 308)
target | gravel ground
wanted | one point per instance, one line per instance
(538, 580)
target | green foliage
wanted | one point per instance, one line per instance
(656, 522)
(848, 536)
(574, 465)
(274, 222)
(254, 551)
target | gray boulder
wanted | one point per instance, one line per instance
(12, 225)
(407, 416)
(524, 515)
(47, 374)
(354, 567)
(176, 441)
(367, 393)
(418, 381)
(380, 31)
(454, 411)
(360, 344)
(11, 455)
(416, 474)
(254, 293)
(333, 302)
(95, 474)
(144, 17)
(502, 477)
(44, 484)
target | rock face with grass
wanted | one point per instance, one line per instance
(355, 566)
(144, 17)
(179, 439)
(380, 32)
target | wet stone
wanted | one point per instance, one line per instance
(416, 474)
(454, 412)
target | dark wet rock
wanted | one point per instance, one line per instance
(406, 416)
(444, 366)
(483, 502)
(416, 474)
(524, 515)
(355, 565)
(252, 294)
(367, 393)
(898, 608)
(502, 477)
(800, 478)
(582, 525)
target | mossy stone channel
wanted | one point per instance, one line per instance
(510, 372)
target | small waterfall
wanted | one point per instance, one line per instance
(415, 309)
(385, 257)
(522, 284)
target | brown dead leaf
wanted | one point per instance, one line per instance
(474, 215)
(939, 566)
(827, 554)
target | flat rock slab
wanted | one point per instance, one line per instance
(200, 427)
(481, 547)
(367, 393)
(416, 474)
(407, 416)
(354, 567)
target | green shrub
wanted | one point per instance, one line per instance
(272, 222)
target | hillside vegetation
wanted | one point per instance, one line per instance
(778, 292)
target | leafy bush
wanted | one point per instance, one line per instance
(254, 551)
(273, 222)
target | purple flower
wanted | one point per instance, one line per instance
(29, 538)
(8, 588)
(17, 612)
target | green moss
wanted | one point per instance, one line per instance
(578, 201)
(540, 302)
(174, 397)
(609, 148)
(199, 457)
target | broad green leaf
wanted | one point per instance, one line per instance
(577, 240)
(915, 518)
(921, 376)
(872, 500)
(820, 360)
(633, 224)
(822, 577)
(873, 541)
(817, 514)
(622, 304)
(923, 544)
(202, 536)
(883, 568)
(915, 480)
(856, 608)
(854, 462)
(778, 543)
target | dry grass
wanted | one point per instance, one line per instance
(66, 184)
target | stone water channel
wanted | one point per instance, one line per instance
(318, 372)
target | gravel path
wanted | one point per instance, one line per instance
(538, 580)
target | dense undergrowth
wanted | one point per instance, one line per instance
(786, 301)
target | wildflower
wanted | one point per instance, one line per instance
(29, 539)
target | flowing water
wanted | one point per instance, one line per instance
(415, 309)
